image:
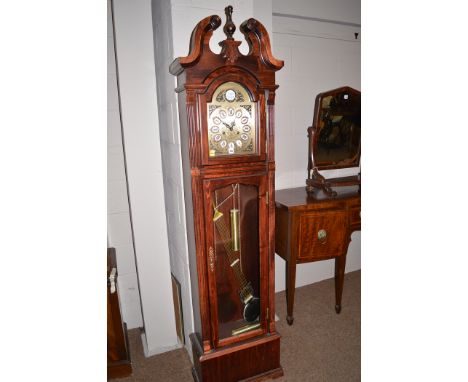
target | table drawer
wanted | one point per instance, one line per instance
(321, 234)
(355, 216)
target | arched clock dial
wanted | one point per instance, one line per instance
(231, 121)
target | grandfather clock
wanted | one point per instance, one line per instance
(226, 111)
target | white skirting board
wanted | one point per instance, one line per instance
(157, 350)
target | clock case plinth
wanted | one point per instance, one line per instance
(255, 353)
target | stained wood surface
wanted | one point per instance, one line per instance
(297, 198)
(299, 219)
(198, 76)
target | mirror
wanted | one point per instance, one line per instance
(334, 137)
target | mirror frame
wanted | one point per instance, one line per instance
(314, 179)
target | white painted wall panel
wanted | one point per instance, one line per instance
(318, 56)
(111, 68)
(119, 229)
(112, 93)
(115, 163)
(135, 57)
(119, 233)
(171, 158)
(340, 10)
(126, 264)
(130, 298)
(114, 134)
(117, 201)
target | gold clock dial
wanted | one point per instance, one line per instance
(231, 121)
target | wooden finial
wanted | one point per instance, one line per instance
(229, 27)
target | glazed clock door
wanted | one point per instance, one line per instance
(237, 251)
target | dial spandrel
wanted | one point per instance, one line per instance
(231, 121)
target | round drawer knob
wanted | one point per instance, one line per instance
(322, 235)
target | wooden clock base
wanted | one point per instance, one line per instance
(255, 360)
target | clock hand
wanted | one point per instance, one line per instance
(230, 127)
(233, 124)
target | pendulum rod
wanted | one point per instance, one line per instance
(227, 239)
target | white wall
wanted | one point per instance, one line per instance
(139, 109)
(347, 11)
(318, 56)
(119, 228)
(171, 160)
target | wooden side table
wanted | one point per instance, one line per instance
(314, 228)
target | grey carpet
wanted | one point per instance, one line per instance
(320, 346)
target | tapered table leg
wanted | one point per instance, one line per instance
(340, 264)
(290, 288)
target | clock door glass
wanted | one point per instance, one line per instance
(231, 121)
(237, 253)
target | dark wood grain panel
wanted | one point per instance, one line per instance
(234, 363)
(332, 223)
(281, 232)
(355, 217)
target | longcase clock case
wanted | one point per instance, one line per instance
(226, 111)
